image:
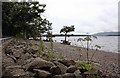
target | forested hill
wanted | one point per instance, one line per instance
(107, 34)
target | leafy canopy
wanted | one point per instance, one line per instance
(24, 18)
(67, 29)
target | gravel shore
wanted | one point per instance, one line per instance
(106, 61)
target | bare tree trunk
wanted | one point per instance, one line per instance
(87, 51)
(65, 36)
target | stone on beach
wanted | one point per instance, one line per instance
(38, 63)
(15, 73)
(62, 67)
(71, 69)
(67, 62)
(55, 70)
(41, 73)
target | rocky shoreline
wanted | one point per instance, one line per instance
(19, 60)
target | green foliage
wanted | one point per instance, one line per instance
(67, 29)
(24, 19)
(50, 54)
(61, 56)
(45, 53)
(41, 48)
(50, 50)
(84, 65)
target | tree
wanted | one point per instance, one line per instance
(40, 26)
(23, 19)
(67, 29)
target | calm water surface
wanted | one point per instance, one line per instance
(108, 43)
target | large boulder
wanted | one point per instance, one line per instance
(38, 63)
(67, 62)
(41, 73)
(14, 72)
(62, 67)
(55, 70)
(71, 69)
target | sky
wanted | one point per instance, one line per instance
(88, 16)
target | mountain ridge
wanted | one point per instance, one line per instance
(107, 34)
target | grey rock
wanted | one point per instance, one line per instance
(42, 73)
(38, 63)
(17, 54)
(35, 48)
(55, 70)
(7, 61)
(26, 56)
(69, 75)
(14, 66)
(28, 61)
(67, 62)
(71, 69)
(12, 72)
(77, 74)
(62, 67)
(23, 59)
(11, 56)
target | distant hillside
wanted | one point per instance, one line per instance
(107, 34)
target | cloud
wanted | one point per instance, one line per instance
(86, 15)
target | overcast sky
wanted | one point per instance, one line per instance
(87, 15)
